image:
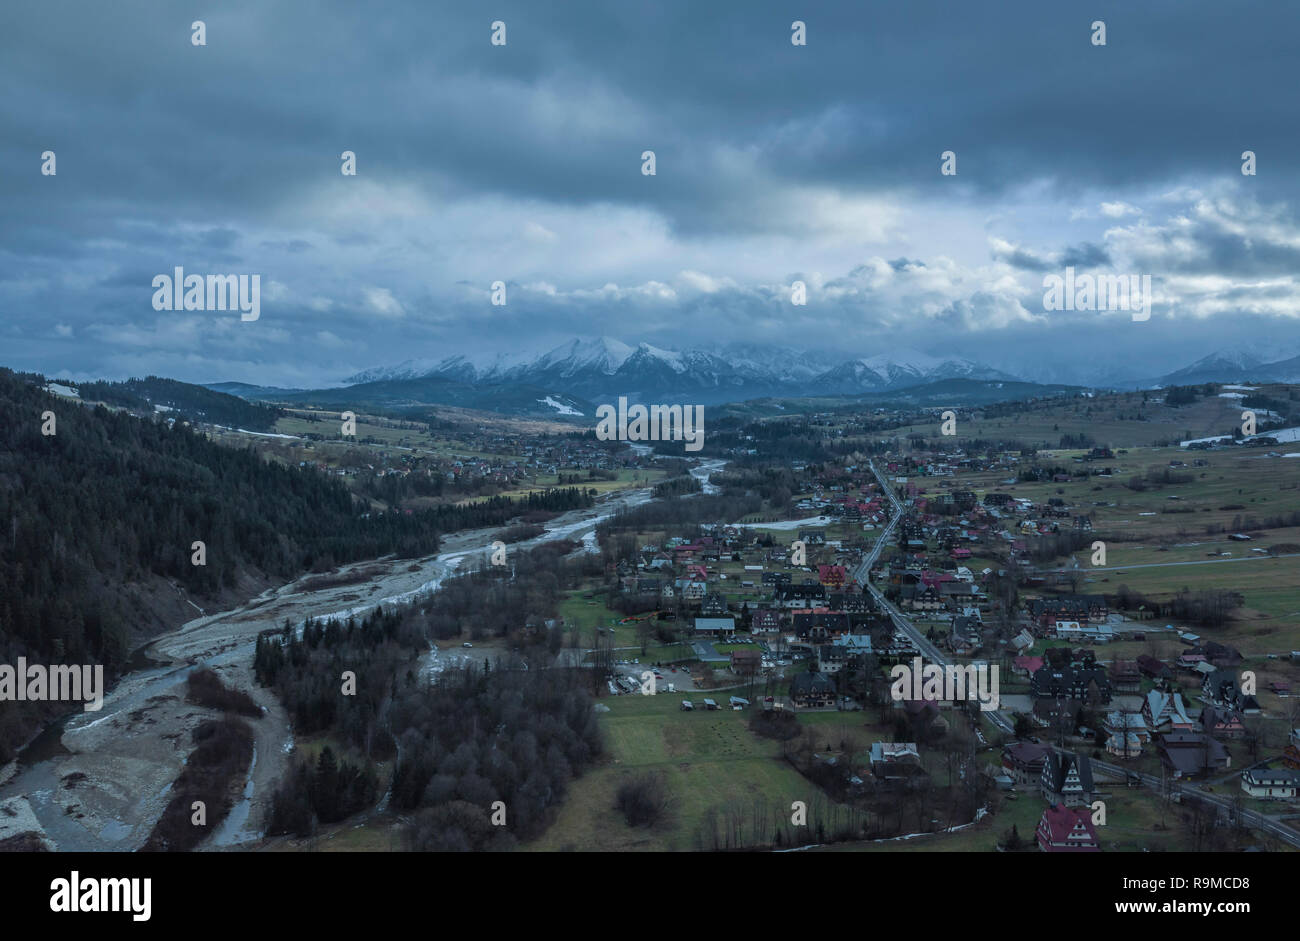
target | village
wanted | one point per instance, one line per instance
(805, 617)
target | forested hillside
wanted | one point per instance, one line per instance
(473, 737)
(186, 400)
(92, 516)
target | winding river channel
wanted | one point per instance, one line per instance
(100, 780)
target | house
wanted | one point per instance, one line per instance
(897, 764)
(818, 626)
(1153, 668)
(799, 596)
(1062, 714)
(832, 576)
(1187, 754)
(966, 635)
(1161, 710)
(746, 660)
(1281, 784)
(1218, 655)
(1024, 761)
(1291, 757)
(1067, 830)
(765, 621)
(1124, 745)
(713, 606)
(1223, 723)
(1026, 666)
(1072, 681)
(1126, 732)
(715, 627)
(811, 691)
(1067, 778)
(1023, 641)
(855, 645)
(1125, 676)
(1221, 689)
(851, 602)
(918, 597)
(812, 537)
(1045, 612)
(1082, 631)
(831, 658)
(689, 589)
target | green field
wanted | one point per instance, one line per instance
(708, 758)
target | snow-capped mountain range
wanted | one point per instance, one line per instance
(604, 367)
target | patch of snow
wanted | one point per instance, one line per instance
(560, 407)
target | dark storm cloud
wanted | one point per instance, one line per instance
(1085, 255)
(226, 157)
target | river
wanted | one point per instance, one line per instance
(99, 781)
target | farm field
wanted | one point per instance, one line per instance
(1117, 420)
(708, 758)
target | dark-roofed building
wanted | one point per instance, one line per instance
(1125, 676)
(713, 606)
(817, 626)
(1072, 681)
(1274, 784)
(1188, 754)
(1024, 761)
(831, 658)
(811, 690)
(1153, 668)
(799, 596)
(1222, 723)
(1045, 612)
(1221, 689)
(1067, 778)
(967, 634)
(765, 621)
(850, 602)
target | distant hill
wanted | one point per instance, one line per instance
(410, 395)
(192, 402)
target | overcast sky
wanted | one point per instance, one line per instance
(522, 163)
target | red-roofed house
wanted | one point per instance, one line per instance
(1026, 666)
(1067, 830)
(832, 576)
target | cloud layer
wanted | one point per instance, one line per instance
(522, 164)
